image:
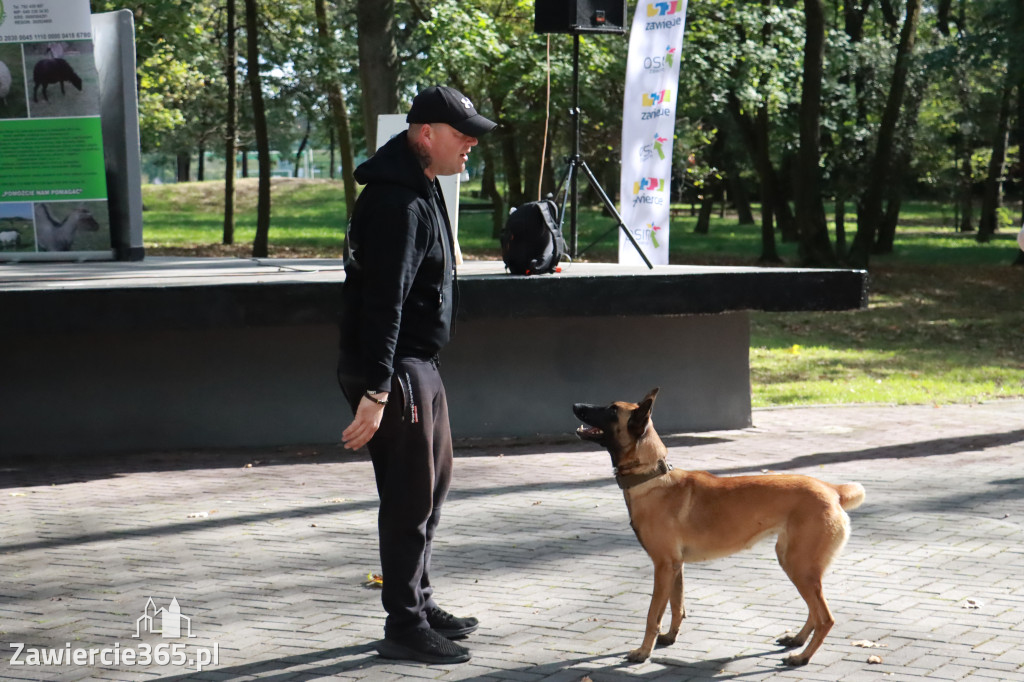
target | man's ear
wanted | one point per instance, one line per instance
(419, 131)
(641, 416)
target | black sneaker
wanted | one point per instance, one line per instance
(423, 645)
(450, 626)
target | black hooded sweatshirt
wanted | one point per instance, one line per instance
(399, 272)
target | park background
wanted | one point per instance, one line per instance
(877, 134)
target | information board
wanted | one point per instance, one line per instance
(53, 188)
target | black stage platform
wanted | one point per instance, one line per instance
(183, 353)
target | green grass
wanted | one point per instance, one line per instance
(945, 323)
(932, 334)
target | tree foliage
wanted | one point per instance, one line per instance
(917, 98)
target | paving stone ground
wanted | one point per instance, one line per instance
(267, 553)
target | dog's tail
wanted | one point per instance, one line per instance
(851, 495)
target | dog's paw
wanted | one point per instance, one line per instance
(667, 639)
(795, 660)
(638, 656)
(789, 641)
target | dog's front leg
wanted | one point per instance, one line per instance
(663, 585)
(675, 600)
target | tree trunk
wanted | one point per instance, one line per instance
(712, 184)
(339, 113)
(245, 162)
(992, 200)
(755, 136)
(184, 165)
(869, 215)
(841, 225)
(333, 137)
(769, 252)
(964, 137)
(260, 244)
(302, 147)
(894, 191)
(489, 189)
(740, 196)
(1020, 134)
(966, 198)
(201, 163)
(784, 215)
(1015, 31)
(815, 245)
(507, 133)
(231, 125)
(378, 63)
(707, 204)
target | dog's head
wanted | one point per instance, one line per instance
(616, 427)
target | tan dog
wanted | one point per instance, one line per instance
(684, 516)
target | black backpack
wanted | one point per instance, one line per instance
(530, 241)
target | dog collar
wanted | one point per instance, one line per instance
(632, 480)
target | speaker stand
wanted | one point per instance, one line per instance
(576, 162)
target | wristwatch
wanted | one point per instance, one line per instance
(372, 395)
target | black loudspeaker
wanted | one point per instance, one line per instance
(579, 16)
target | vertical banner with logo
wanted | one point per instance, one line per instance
(53, 187)
(648, 126)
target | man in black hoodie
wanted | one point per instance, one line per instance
(398, 306)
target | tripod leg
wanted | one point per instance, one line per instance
(568, 181)
(611, 207)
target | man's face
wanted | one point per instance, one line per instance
(449, 149)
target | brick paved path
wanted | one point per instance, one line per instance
(268, 561)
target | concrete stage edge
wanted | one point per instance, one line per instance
(214, 353)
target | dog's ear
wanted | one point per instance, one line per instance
(641, 416)
(652, 394)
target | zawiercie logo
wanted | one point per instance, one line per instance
(2, 15)
(664, 9)
(649, 185)
(654, 99)
(165, 622)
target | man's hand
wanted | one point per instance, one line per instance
(365, 424)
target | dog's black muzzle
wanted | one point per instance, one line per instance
(596, 420)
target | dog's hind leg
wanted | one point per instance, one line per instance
(819, 620)
(804, 556)
(675, 600)
(664, 584)
(781, 551)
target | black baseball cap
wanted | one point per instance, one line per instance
(441, 104)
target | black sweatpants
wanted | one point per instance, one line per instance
(412, 462)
